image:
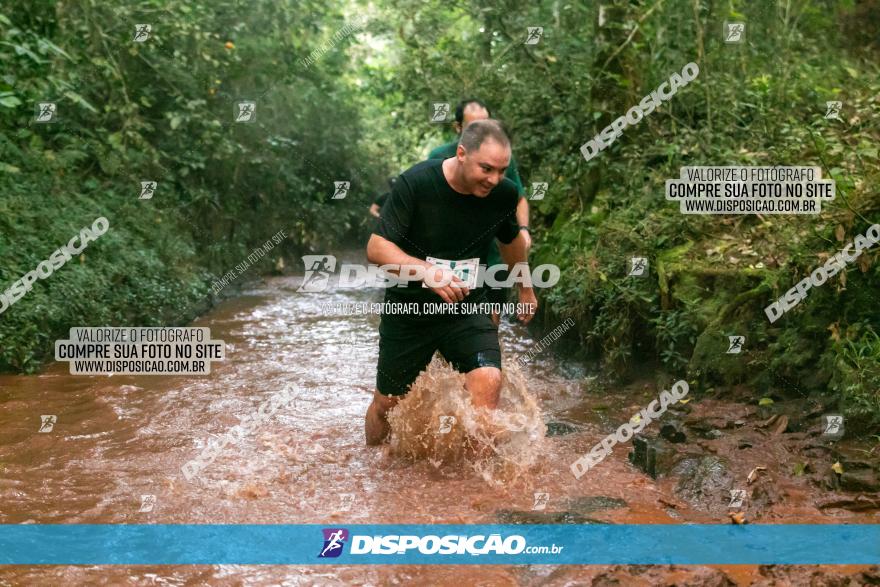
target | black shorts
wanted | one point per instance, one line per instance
(406, 348)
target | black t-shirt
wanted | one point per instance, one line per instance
(425, 217)
(381, 199)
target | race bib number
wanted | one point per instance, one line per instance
(465, 269)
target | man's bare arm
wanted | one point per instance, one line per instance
(522, 219)
(522, 212)
(517, 252)
(382, 251)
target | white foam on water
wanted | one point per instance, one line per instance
(501, 445)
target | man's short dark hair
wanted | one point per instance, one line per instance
(479, 130)
(459, 110)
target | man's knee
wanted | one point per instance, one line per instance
(484, 384)
(486, 378)
(384, 403)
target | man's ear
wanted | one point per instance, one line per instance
(460, 151)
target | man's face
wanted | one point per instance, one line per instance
(484, 168)
(472, 112)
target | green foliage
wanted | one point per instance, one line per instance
(759, 103)
(162, 110)
(854, 361)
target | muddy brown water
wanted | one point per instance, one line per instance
(121, 437)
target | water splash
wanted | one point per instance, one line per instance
(437, 423)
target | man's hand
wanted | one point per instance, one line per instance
(528, 239)
(527, 297)
(454, 289)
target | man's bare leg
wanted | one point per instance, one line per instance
(376, 424)
(484, 384)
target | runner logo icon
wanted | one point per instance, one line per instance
(318, 271)
(334, 540)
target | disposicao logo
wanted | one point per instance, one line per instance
(334, 540)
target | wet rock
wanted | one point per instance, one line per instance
(541, 517)
(594, 503)
(859, 503)
(654, 456)
(704, 481)
(560, 429)
(871, 576)
(708, 427)
(703, 424)
(639, 454)
(661, 459)
(673, 431)
(860, 480)
(851, 457)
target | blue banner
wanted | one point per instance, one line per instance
(689, 544)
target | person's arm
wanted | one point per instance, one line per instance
(522, 219)
(517, 252)
(378, 203)
(382, 251)
(513, 245)
(522, 207)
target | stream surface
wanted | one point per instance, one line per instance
(118, 438)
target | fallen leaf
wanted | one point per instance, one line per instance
(737, 517)
(635, 419)
(780, 426)
(837, 468)
(768, 421)
(840, 233)
(799, 469)
(684, 401)
(754, 474)
(864, 262)
(765, 401)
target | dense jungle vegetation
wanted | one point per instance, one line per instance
(342, 91)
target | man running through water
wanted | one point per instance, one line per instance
(466, 112)
(440, 212)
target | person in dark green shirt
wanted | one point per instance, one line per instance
(466, 112)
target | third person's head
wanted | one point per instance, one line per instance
(467, 111)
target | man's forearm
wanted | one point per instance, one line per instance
(515, 252)
(381, 251)
(522, 212)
